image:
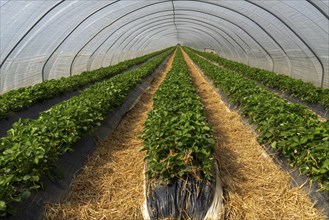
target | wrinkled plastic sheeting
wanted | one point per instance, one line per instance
(185, 198)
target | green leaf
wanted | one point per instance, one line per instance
(273, 145)
(26, 177)
(3, 206)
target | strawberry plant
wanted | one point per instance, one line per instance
(15, 100)
(32, 147)
(296, 87)
(289, 127)
(177, 138)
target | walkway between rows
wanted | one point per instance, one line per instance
(254, 186)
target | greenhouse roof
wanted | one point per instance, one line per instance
(43, 40)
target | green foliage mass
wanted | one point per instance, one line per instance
(22, 98)
(32, 147)
(296, 87)
(177, 138)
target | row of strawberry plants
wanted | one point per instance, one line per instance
(289, 127)
(177, 138)
(32, 147)
(296, 87)
(15, 100)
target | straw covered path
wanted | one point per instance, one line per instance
(254, 186)
(110, 185)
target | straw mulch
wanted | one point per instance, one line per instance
(110, 185)
(254, 186)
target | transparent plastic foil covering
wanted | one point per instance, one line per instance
(42, 40)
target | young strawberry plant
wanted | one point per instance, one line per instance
(296, 87)
(32, 147)
(289, 127)
(177, 138)
(15, 100)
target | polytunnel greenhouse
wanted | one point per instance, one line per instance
(164, 109)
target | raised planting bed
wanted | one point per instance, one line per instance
(291, 128)
(181, 175)
(22, 98)
(33, 147)
(294, 87)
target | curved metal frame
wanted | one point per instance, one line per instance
(238, 26)
(318, 8)
(297, 35)
(257, 24)
(71, 66)
(69, 34)
(117, 20)
(102, 29)
(92, 54)
(135, 27)
(196, 20)
(153, 22)
(179, 20)
(207, 34)
(234, 25)
(29, 30)
(209, 29)
(191, 34)
(142, 44)
(146, 39)
(213, 26)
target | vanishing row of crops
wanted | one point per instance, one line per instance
(179, 147)
(32, 147)
(296, 88)
(15, 100)
(289, 127)
(177, 137)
